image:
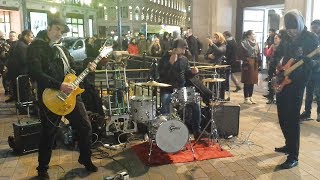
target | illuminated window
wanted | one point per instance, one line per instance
(76, 25)
(5, 21)
(137, 13)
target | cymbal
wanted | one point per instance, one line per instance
(213, 80)
(127, 70)
(213, 67)
(152, 84)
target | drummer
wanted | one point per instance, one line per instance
(174, 69)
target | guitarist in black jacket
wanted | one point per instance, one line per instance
(299, 44)
(48, 66)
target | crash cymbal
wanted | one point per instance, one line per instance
(152, 84)
(207, 80)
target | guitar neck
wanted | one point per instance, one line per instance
(85, 72)
(288, 71)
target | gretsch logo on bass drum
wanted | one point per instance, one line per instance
(172, 128)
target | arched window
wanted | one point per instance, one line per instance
(137, 13)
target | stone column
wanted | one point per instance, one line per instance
(210, 16)
(305, 7)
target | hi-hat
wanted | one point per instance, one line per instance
(213, 80)
(152, 84)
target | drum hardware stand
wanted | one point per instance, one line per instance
(119, 122)
(214, 135)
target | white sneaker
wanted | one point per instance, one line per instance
(252, 101)
(247, 101)
(318, 117)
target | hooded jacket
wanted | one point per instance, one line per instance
(298, 47)
(45, 63)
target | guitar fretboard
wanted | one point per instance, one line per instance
(85, 72)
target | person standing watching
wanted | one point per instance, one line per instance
(48, 64)
(313, 86)
(231, 55)
(17, 65)
(299, 44)
(192, 45)
(250, 54)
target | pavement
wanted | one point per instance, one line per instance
(253, 151)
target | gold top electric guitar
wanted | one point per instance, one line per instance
(61, 103)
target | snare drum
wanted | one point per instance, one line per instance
(185, 95)
(170, 135)
(142, 108)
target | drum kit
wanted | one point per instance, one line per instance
(170, 133)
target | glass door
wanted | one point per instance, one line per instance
(254, 19)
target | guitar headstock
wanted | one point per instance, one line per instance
(105, 51)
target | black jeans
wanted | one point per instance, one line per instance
(79, 121)
(247, 90)
(288, 107)
(312, 89)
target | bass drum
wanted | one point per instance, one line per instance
(172, 136)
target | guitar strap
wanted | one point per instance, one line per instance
(66, 65)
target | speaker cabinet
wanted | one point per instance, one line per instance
(26, 136)
(226, 117)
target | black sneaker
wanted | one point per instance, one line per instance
(43, 175)
(304, 116)
(89, 166)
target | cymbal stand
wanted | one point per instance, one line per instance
(213, 138)
(149, 124)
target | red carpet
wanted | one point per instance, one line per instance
(159, 157)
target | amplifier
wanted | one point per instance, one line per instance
(226, 116)
(26, 135)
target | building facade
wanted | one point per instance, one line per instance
(143, 16)
(18, 15)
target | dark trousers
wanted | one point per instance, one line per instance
(248, 90)
(79, 121)
(288, 107)
(271, 71)
(312, 89)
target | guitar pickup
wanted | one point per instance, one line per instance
(62, 96)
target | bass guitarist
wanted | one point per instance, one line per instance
(48, 64)
(299, 44)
